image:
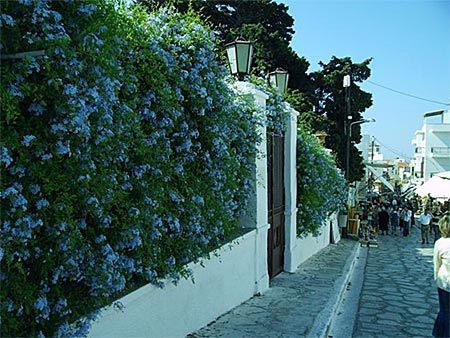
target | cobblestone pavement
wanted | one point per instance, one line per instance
(399, 296)
(299, 304)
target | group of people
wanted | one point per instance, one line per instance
(391, 216)
(429, 224)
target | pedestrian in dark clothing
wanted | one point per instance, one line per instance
(401, 222)
(435, 224)
(383, 220)
(413, 221)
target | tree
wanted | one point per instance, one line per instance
(318, 96)
(330, 100)
(265, 22)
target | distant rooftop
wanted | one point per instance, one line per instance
(433, 113)
(445, 114)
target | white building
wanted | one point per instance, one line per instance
(370, 149)
(377, 167)
(432, 146)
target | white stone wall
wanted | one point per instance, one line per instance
(303, 248)
(222, 283)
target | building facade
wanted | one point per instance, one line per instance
(432, 146)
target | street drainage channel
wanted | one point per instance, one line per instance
(344, 320)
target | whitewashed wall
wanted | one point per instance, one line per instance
(174, 311)
(304, 248)
(298, 250)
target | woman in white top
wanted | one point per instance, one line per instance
(441, 262)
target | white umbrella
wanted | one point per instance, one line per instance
(437, 187)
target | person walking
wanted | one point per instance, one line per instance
(411, 208)
(375, 214)
(400, 218)
(370, 216)
(425, 222)
(435, 223)
(394, 220)
(406, 216)
(383, 220)
(441, 263)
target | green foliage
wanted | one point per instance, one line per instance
(99, 138)
(330, 98)
(321, 187)
(264, 22)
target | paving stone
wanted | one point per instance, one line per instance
(294, 301)
(398, 296)
(410, 311)
(417, 311)
(368, 311)
(394, 316)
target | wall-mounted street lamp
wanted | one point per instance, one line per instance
(240, 57)
(349, 136)
(279, 79)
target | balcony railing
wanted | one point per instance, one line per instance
(440, 151)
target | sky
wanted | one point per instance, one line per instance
(409, 41)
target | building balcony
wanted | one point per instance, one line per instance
(440, 151)
(419, 150)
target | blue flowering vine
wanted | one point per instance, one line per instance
(321, 187)
(125, 154)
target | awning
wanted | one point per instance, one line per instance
(437, 187)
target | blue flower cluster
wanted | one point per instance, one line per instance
(321, 187)
(125, 154)
(276, 114)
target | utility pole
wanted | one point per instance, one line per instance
(373, 145)
(371, 162)
(347, 83)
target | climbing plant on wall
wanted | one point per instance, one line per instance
(321, 186)
(124, 154)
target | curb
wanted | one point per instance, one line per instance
(326, 317)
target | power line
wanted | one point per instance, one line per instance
(406, 94)
(396, 152)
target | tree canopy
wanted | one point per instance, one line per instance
(330, 96)
(318, 96)
(264, 22)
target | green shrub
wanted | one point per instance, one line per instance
(125, 154)
(321, 187)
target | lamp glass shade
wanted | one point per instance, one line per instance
(346, 82)
(240, 55)
(279, 78)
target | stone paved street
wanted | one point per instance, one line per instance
(399, 296)
(298, 304)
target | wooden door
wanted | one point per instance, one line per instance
(276, 201)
